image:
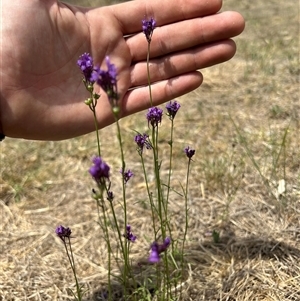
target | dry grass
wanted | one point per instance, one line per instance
(244, 124)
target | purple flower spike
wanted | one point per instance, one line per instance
(172, 108)
(86, 65)
(189, 152)
(154, 255)
(100, 170)
(129, 236)
(148, 27)
(154, 116)
(142, 141)
(166, 243)
(63, 232)
(126, 175)
(108, 81)
(157, 249)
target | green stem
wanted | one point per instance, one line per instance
(169, 179)
(148, 73)
(168, 193)
(120, 236)
(105, 228)
(93, 109)
(126, 249)
(170, 161)
(186, 204)
(72, 263)
(157, 179)
(153, 211)
(186, 218)
(162, 210)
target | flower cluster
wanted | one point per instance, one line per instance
(157, 249)
(126, 175)
(86, 65)
(106, 79)
(154, 116)
(129, 236)
(142, 141)
(100, 170)
(148, 27)
(63, 232)
(189, 152)
(172, 108)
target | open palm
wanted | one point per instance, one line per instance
(42, 93)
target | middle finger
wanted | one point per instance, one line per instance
(186, 34)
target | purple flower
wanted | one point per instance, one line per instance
(86, 65)
(100, 170)
(110, 196)
(85, 62)
(154, 116)
(166, 244)
(154, 255)
(126, 175)
(172, 108)
(148, 27)
(189, 152)
(142, 141)
(63, 232)
(107, 80)
(157, 249)
(129, 236)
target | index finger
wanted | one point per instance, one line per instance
(130, 14)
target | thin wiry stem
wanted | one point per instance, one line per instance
(186, 217)
(125, 250)
(148, 74)
(153, 211)
(72, 263)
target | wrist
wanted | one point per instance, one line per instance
(2, 136)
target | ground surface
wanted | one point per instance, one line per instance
(243, 123)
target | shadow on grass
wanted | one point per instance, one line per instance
(143, 272)
(228, 249)
(117, 294)
(241, 249)
(244, 266)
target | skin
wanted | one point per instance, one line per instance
(42, 95)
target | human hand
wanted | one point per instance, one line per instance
(42, 95)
